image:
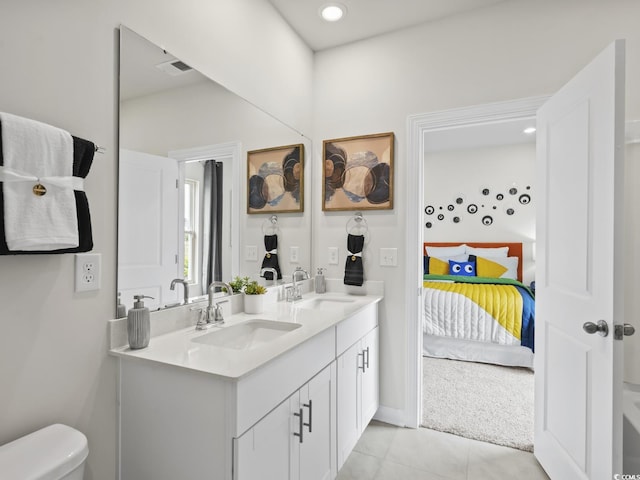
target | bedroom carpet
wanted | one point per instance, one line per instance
(485, 402)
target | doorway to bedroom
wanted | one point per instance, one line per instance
(478, 231)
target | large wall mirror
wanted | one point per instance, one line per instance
(182, 180)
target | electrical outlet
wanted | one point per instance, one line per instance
(333, 255)
(87, 272)
(251, 253)
(294, 254)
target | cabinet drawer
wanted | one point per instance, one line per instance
(355, 327)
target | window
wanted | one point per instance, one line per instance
(191, 224)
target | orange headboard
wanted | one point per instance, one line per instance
(515, 249)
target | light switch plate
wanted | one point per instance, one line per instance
(388, 257)
(250, 253)
(333, 255)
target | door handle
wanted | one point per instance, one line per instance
(601, 328)
(621, 331)
(365, 358)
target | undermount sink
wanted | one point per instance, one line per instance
(330, 302)
(246, 335)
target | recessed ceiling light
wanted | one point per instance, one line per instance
(332, 12)
(529, 130)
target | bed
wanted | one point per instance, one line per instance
(475, 306)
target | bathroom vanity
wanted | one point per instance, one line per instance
(281, 395)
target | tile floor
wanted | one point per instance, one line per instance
(386, 452)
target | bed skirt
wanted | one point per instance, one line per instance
(472, 351)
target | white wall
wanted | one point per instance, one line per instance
(58, 65)
(511, 50)
(465, 173)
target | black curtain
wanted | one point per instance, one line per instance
(212, 229)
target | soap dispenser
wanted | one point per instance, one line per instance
(121, 309)
(321, 287)
(139, 324)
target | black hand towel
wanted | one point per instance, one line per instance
(353, 269)
(271, 259)
(83, 151)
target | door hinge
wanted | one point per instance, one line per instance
(176, 259)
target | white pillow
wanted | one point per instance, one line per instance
(445, 252)
(455, 258)
(489, 252)
(510, 263)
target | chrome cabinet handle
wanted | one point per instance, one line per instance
(310, 407)
(300, 424)
(366, 362)
(601, 328)
(363, 367)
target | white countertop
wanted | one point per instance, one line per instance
(177, 348)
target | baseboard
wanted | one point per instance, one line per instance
(392, 416)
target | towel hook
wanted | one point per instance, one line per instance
(357, 223)
(270, 223)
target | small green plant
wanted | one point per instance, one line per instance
(254, 288)
(237, 284)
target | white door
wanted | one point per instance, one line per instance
(147, 228)
(347, 402)
(370, 376)
(317, 450)
(264, 451)
(578, 427)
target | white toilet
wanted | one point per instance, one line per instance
(56, 452)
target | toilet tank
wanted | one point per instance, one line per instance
(55, 452)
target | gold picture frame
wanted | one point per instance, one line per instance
(358, 173)
(275, 179)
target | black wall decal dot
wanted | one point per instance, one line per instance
(499, 196)
(428, 224)
(450, 208)
(429, 210)
(513, 190)
(487, 220)
(441, 217)
(485, 191)
(456, 219)
(459, 200)
(473, 208)
(524, 198)
(510, 211)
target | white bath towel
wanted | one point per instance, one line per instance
(34, 149)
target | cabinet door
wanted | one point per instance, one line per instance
(264, 450)
(348, 396)
(317, 457)
(370, 377)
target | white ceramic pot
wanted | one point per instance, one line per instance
(253, 303)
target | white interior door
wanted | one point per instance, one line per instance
(578, 427)
(147, 228)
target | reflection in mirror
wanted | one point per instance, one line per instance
(182, 179)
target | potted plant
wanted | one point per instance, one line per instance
(237, 284)
(254, 297)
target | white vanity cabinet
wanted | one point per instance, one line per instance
(358, 379)
(291, 416)
(294, 441)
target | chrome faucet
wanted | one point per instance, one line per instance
(185, 288)
(273, 271)
(212, 315)
(296, 294)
